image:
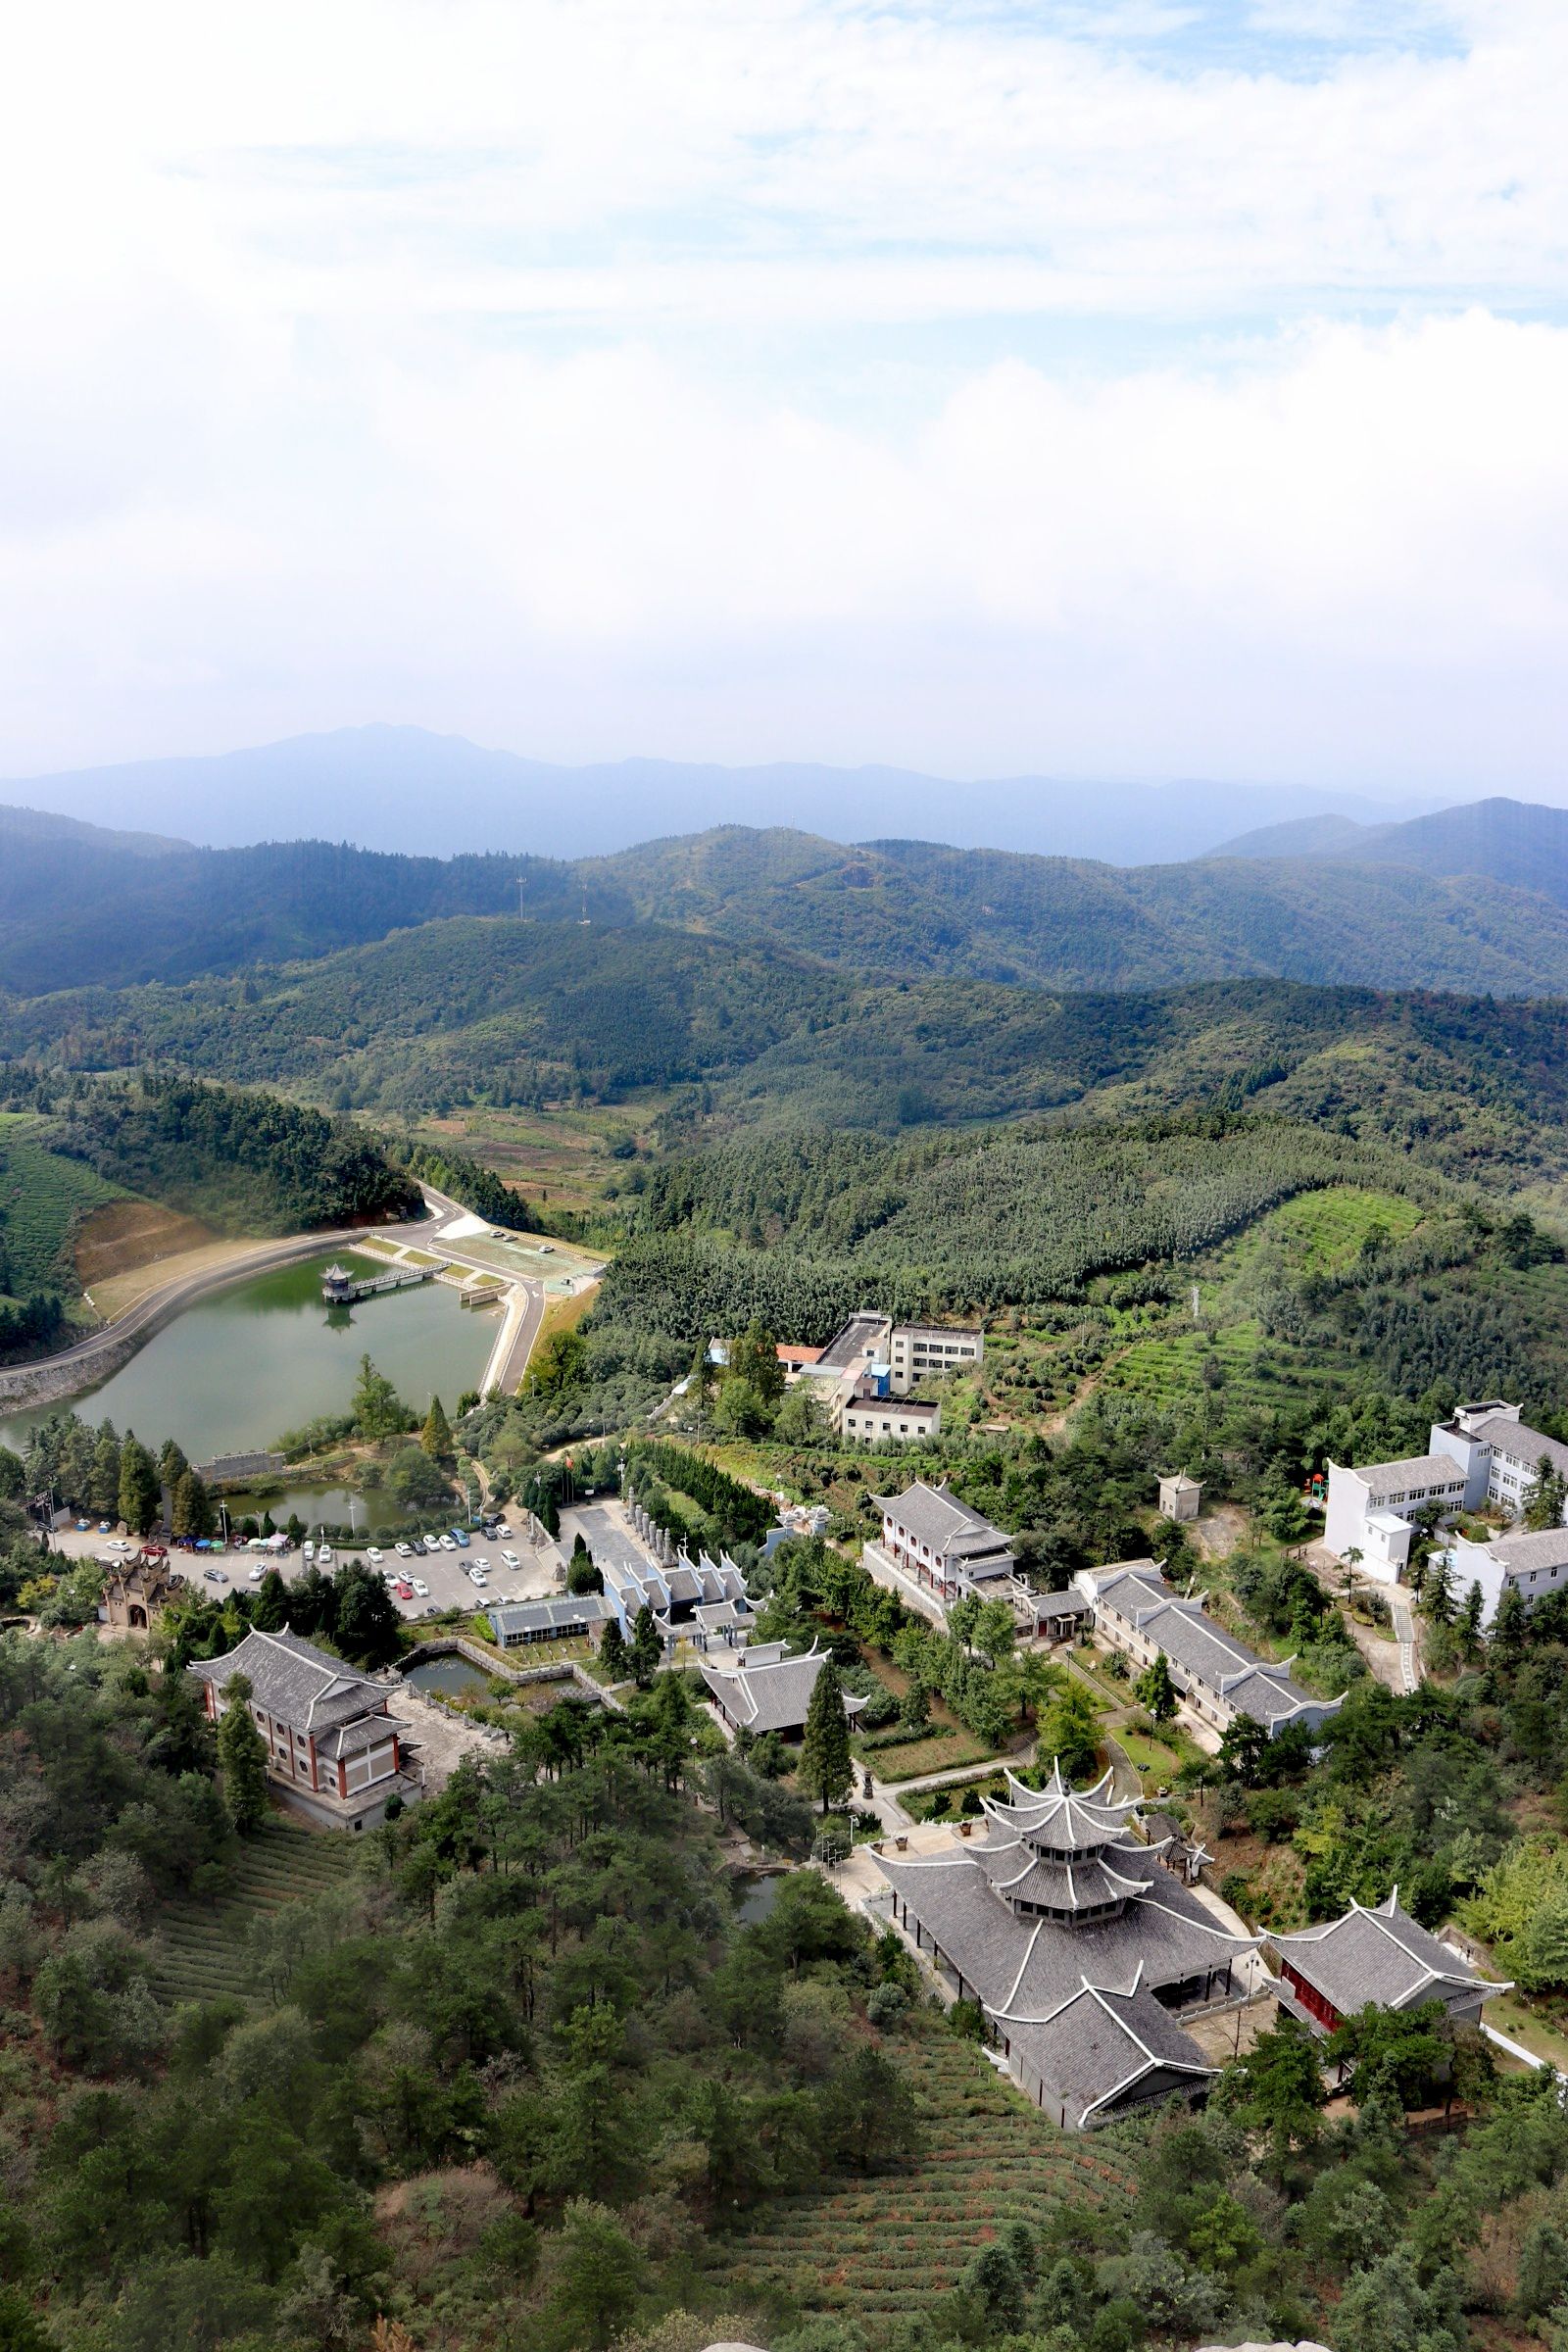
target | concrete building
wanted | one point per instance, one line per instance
(1379, 1957)
(944, 1547)
(1498, 1454)
(519, 1624)
(1372, 1510)
(333, 1751)
(1217, 1676)
(1179, 1496)
(1534, 1564)
(874, 1362)
(1080, 1947)
(874, 1420)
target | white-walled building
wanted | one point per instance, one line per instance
(1217, 1676)
(1532, 1564)
(875, 1364)
(1372, 1509)
(944, 1547)
(1498, 1454)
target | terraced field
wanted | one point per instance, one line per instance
(877, 2247)
(200, 1948)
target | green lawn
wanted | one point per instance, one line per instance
(199, 1948)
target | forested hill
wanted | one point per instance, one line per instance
(1515, 842)
(79, 909)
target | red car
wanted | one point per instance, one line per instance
(404, 1591)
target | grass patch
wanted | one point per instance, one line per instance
(877, 2249)
(941, 1752)
(198, 1949)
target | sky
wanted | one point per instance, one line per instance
(1154, 388)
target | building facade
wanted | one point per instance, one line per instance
(1217, 1676)
(1531, 1564)
(944, 1547)
(1372, 1510)
(333, 1749)
(1498, 1454)
(1377, 1956)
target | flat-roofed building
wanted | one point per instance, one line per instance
(889, 1420)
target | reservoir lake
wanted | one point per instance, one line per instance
(267, 1354)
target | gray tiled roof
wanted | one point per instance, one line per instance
(1136, 1584)
(1532, 1550)
(1101, 2041)
(1382, 1956)
(352, 1738)
(1416, 1470)
(1204, 1650)
(1525, 1444)
(933, 1516)
(294, 1682)
(774, 1695)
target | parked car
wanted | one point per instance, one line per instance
(420, 1589)
(478, 1576)
(446, 1542)
(255, 1576)
(512, 1560)
(404, 1551)
(215, 1576)
(419, 1546)
(403, 1588)
(430, 1609)
(461, 1535)
(306, 1552)
(323, 1555)
(374, 1556)
(120, 1544)
(503, 1532)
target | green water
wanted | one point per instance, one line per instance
(233, 1371)
(451, 1675)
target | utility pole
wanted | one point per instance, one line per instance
(522, 881)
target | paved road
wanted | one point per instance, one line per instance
(509, 1359)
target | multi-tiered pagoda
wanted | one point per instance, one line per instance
(1079, 1944)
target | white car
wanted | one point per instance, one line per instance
(405, 1552)
(376, 1557)
(255, 1576)
(307, 1554)
(421, 1592)
(448, 1542)
(120, 1544)
(512, 1560)
(323, 1555)
(477, 1576)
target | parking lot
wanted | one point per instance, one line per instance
(445, 1574)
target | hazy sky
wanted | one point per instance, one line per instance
(1136, 389)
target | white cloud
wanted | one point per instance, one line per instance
(528, 367)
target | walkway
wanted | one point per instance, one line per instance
(1405, 1635)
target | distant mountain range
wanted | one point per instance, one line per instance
(1434, 903)
(403, 788)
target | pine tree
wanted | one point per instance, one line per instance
(192, 1508)
(139, 1498)
(242, 1757)
(613, 1654)
(647, 1649)
(436, 1435)
(1154, 1688)
(103, 1487)
(827, 1770)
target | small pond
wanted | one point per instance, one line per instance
(756, 1892)
(454, 1677)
